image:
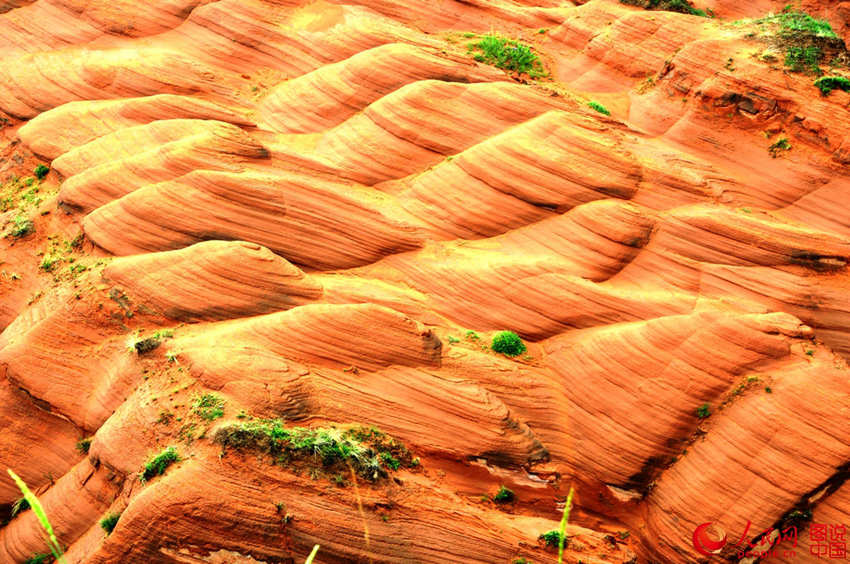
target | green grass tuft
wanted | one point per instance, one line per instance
(551, 538)
(703, 411)
(802, 37)
(680, 6)
(803, 59)
(41, 171)
(368, 451)
(157, 465)
(390, 461)
(23, 227)
(508, 54)
(209, 407)
(508, 343)
(48, 263)
(793, 22)
(504, 495)
(109, 521)
(779, 146)
(599, 108)
(827, 84)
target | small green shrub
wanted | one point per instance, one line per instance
(331, 450)
(509, 55)
(803, 59)
(83, 445)
(31, 195)
(504, 495)
(802, 37)
(680, 6)
(109, 521)
(48, 263)
(37, 559)
(799, 516)
(827, 84)
(794, 23)
(599, 108)
(390, 461)
(157, 465)
(41, 171)
(778, 147)
(508, 343)
(209, 407)
(23, 227)
(703, 411)
(551, 538)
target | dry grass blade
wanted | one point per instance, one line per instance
(36, 507)
(312, 555)
(563, 530)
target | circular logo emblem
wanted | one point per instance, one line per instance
(709, 539)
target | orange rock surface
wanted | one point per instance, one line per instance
(322, 212)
